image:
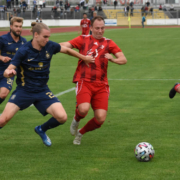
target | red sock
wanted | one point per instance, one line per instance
(176, 87)
(90, 126)
(78, 116)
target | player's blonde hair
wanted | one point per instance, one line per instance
(16, 19)
(38, 27)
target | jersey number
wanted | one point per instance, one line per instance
(50, 94)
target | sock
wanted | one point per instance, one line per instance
(90, 126)
(51, 123)
(0, 127)
(176, 87)
(78, 116)
(1, 100)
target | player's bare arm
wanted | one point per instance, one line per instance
(10, 71)
(66, 44)
(86, 59)
(120, 58)
(5, 59)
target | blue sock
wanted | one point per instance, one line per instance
(51, 123)
(1, 100)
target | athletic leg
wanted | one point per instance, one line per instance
(176, 88)
(9, 111)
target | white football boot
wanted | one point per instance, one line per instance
(74, 127)
(77, 140)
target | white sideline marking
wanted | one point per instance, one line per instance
(144, 79)
(61, 93)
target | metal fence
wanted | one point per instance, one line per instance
(46, 14)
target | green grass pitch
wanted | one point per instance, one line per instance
(139, 110)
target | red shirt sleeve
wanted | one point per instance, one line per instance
(113, 47)
(77, 42)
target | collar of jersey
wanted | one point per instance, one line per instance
(11, 39)
(31, 47)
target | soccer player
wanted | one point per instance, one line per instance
(31, 64)
(176, 88)
(92, 87)
(85, 25)
(9, 44)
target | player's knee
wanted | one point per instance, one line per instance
(3, 120)
(100, 118)
(83, 110)
(3, 95)
(62, 118)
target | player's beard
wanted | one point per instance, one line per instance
(15, 34)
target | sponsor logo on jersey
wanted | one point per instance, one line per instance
(30, 59)
(9, 43)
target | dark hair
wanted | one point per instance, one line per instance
(37, 27)
(99, 18)
(84, 14)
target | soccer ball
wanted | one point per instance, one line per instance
(144, 152)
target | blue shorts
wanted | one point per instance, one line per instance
(41, 100)
(6, 82)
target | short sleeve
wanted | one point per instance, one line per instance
(113, 47)
(77, 42)
(1, 43)
(17, 59)
(56, 47)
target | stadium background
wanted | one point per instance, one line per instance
(139, 110)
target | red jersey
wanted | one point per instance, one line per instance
(87, 45)
(85, 23)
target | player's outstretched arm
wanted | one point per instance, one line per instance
(5, 59)
(66, 44)
(120, 58)
(10, 71)
(86, 59)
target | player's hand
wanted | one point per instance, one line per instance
(5, 59)
(10, 73)
(109, 57)
(89, 59)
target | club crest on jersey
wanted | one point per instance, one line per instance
(47, 55)
(22, 43)
(16, 49)
(40, 64)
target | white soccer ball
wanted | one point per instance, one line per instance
(144, 151)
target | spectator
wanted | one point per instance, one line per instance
(14, 11)
(148, 3)
(146, 10)
(105, 2)
(34, 11)
(100, 8)
(2, 13)
(131, 8)
(61, 3)
(82, 3)
(164, 8)
(34, 3)
(143, 20)
(115, 4)
(17, 2)
(160, 7)
(10, 18)
(57, 3)
(142, 10)
(19, 12)
(67, 6)
(38, 12)
(77, 8)
(171, 7)
(40, 20)
(12, 2)
(9, 4)
(37, 20)
(127, 9)
(24, 10)
(151, 10)
(131, 3)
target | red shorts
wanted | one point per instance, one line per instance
(97, 94)
(85, 32)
